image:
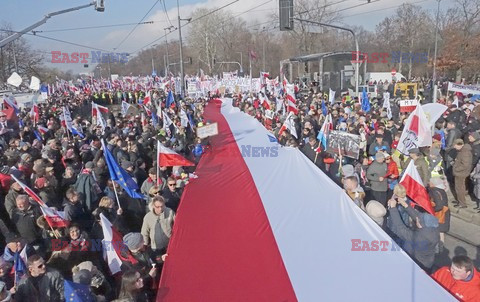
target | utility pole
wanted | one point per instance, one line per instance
(182, 75)
(170, 28)
(434, 76)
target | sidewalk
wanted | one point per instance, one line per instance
(469, 214)
(465, 231)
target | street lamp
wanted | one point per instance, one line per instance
(99, 6)
(151, 52)
(170, 28)
(182, 74)
(434, 76)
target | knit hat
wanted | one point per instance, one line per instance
(376, 211)
(24, 156)
(89, 165)
(475, 135)
(458, 141)
(127, 164)
(133, 241)
(83, 276)
(348, 170)
(379, 155)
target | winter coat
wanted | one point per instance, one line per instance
(26, 223)
(172, 199)
(50, 288)
(463, 162)
(87, 186)
(419, 243)
(10, 201)
(475, 176)
(311, 153)
(375, 147)
(374, 172)
(166, 218)
(475, 152)
(452, 135)
(439, 197)
(460, 289)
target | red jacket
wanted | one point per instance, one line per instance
(392, 169)
(466, 291)
(5, 181)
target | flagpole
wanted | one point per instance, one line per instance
(158, 167)
(65, 120)
(116, 194)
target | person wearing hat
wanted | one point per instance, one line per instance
(378, 145)
(419, 242)
(143, 258)
(420, 163)
(376, 211)
(435, 163)
(376, 173)
(461, 170)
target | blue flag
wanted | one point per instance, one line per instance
(76, 292)
(170, 99)
(76, 132)
(190, 121)
(37, 135)
(120, 175)
(365, 101)
(154, 119)
(324, 108)
(19, 265)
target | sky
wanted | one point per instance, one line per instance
(22, 13)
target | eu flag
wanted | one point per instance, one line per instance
(119, 175)
(365, 101)
(170, 99)
(324, 108)
(76, 292)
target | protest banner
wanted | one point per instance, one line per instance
(408, 105)
(346, 143)
(464, 89)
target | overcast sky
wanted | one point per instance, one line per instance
(22, 13)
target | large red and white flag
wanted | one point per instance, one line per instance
(147, 99)
(413, 183)
(113, 246)
(29, 191)
(55, 219)
(166, 157)
(258, 248)
(42, 129)
(417, 132)
(97, 111)
(290, 125)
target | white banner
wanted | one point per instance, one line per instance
(464, 89)
(208, 130)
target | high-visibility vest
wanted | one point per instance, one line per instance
(437, 170)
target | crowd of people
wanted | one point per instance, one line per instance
(69, 172)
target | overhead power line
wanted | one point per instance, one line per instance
(91, 27)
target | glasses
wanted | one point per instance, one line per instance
(41, 265)
(171, 185)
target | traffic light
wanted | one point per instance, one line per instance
(100, 6)
(286, 15)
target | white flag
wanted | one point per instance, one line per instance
(14, 80)
(35, 83)
(417, 132)
(166, 123)
(331, 96)
(386, 104)
(290, 125)
(125, 107)
(183, 118)
(113, 260)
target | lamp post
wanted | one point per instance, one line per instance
(434, 76)
(170, 28)
(153, 63)
(182, 74)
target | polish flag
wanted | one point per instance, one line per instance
(168, 158)
(35, 113)
(412, 182)
(97, 108)
(147, 99)
(55, 219)
(42, 129)
(112, 238)
(29, 191)
(417, 132)
(290, 125)
(264, 101)
(144, 120)
(291, 104)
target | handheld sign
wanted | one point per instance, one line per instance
(208, 130)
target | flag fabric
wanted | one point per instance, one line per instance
(119, 175)
(264, 101)
(331, 96)
(76, 131)
(365, 101)
(291, 104)
(35, 113)
(154, 119)
(29, 191)
(290, 125)
(324, 108)
(166, 157)
(416, 133)
(170, 99)
(113, 246)
(66, 118)
(386, 104)
(97, 111)
(191, 122)
(274, 254)
(125, 107)
(20, 264)
(183, 118)
(37, 135)
(76, 292)
(55, 219)
(325, 131)
(413, 184)
(143, 120)
(455, 101)
(253, 55)
(147, 99)
(166, 123)
(42, 129)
